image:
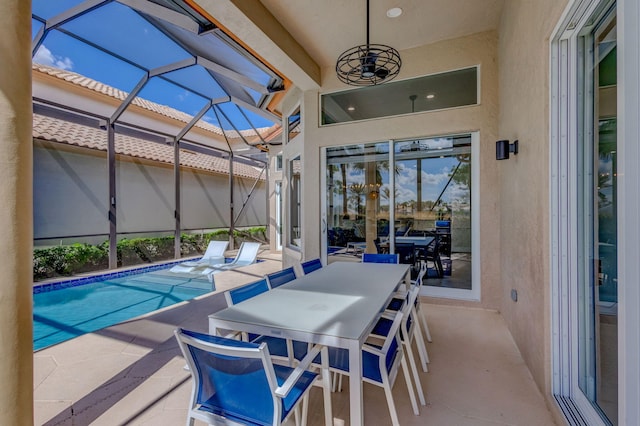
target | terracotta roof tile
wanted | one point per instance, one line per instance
(56, 130)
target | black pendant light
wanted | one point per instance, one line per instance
(368, 64)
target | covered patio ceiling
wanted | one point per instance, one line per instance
(166, 52)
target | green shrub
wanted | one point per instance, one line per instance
(79, 257)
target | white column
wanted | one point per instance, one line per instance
(16, 217)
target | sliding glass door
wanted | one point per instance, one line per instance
(431, 188)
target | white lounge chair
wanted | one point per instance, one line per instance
(247, 254)
(214, 255)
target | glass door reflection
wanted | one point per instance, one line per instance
(433, 208)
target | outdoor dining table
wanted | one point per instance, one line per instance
(337, 306)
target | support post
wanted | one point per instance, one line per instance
(231, 214)
(16, 213)
(111, 167)
(176, 190)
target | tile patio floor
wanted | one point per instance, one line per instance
(132, 373)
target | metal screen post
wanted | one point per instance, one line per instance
(231, 224)
(176, 186)
(111, 166)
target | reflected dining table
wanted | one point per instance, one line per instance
(337, 305)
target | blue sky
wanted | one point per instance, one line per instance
(135, 38)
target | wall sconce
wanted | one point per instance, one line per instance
(503, 148)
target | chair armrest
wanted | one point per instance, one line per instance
(283, 391)
(371, 349)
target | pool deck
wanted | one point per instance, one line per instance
(133, 373)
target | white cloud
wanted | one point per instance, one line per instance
(45, 57)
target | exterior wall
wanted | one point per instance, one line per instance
(70, 188)
(16, 230)
(447, 55)
(524, 179)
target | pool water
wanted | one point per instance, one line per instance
(63, 311)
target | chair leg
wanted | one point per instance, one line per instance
(407, 378)
(392, 407)
(422, 349)
(326, 386)
(423, 320)
(305, 409)
(414, 370)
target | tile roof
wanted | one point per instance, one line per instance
(56, 130)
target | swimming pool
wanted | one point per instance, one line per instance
(64, 310)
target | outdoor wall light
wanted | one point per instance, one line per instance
(503, 148)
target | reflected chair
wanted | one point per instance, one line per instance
(380, 258)
(311, 265)
(431, 255)
(406, 252)
(235, 382)
(380, 365)
(212, 256)
(276, 279)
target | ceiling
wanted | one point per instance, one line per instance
(327, 28)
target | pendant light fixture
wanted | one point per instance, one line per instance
(368, 64)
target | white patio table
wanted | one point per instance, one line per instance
(337, 305)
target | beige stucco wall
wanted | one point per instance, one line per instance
(524, 65)
(16, 228)
(71, 195)
(479, 49)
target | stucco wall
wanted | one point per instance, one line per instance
(447, 55)
(525, 30)
(70, 195)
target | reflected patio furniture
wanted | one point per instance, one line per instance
(236, 382)
(212, 256)
(380, 258)
(430, 255)
(406, 252)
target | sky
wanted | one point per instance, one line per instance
(119, 29)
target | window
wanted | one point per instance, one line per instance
(433, 92)
(294, 202)
(413, 197)
(294, 125)
(279, 162)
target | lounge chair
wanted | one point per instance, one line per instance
(247, 254)
(214, 255)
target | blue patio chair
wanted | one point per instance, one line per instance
(236, 382)
(396, 303)
(380, 365)
(311, 265)
(409, 333)
(278, 347)
(276, 279)
(380, 258)
(240, 294)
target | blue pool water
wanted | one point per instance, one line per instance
(62, 311)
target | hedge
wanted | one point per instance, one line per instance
(67, 260)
